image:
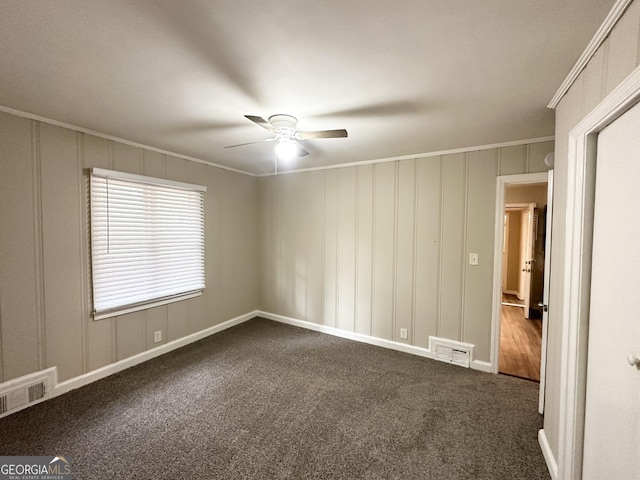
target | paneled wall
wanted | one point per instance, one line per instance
(375, 248)
(616, 58)
(44, 255)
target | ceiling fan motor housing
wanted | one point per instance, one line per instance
(285, 124)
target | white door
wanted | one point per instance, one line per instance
(612, 410)
(545, 293)
(527, 255)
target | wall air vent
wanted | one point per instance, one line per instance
(26, 391)
(451, 351)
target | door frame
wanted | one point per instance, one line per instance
(501, 183)
(576, 283)
(546, 292)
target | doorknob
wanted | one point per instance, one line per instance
(634, 360)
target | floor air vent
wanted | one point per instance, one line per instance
(37, 391)
(25, 391)
(450, 351)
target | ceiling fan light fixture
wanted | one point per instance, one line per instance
(285, 134)
(286, 149)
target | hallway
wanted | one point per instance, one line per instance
(520, 344)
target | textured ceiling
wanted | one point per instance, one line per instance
(403, 77)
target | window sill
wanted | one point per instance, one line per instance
(115, 312)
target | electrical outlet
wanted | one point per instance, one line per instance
(403, 333)
(157, 336)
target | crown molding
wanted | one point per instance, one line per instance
(57, 123)
(601, 35)
(417, 155)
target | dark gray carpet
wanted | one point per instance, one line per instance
(266, 400)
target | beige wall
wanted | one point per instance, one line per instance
(44, 255)
(375, 248)
(526, 194)
(616, 58)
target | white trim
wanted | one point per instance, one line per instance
(57, 123)
(481, 366)
(104, 173)
(603, 32)
(552, 466)
(501, 182)
(358, 337)
(417, 155)
(116, 367)
(546, 293)
(577, 265)
(144, 306)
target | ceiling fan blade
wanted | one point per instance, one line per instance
(262, 122)
(251, 143)
(323, 134)
(301, 150)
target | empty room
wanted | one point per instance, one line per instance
(289, 239)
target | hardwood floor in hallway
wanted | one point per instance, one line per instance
(520, 344)
(512, 299)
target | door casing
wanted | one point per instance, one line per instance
(501, 183)
(577, 246)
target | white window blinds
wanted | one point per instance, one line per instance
(147, 241)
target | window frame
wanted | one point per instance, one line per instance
(147, 183)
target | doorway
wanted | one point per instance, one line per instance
(523, 204)
(522, 280)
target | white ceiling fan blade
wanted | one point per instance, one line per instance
(341, 133)
(251, 143)
(262, 122)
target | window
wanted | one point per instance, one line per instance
(147, 242)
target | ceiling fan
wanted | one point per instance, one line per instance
(283, 127)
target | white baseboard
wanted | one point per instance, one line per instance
(482, 366)
(359, 337)
(107, 370)
(552, 465)
(116, 367)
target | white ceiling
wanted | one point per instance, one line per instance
(403, 77)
